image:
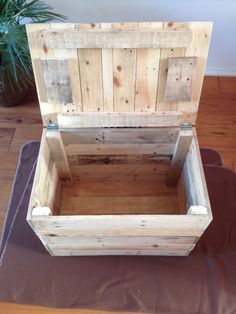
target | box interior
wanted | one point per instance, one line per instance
(120, 189)
(115, 171)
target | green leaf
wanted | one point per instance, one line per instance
(14, 52)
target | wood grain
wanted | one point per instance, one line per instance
(215, 126)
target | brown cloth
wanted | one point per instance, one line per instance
(204, 282)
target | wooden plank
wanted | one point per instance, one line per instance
(57, 151)
(38, 50)
(125, 119)
(119, 135)
(46, 182)
(125, 225)
(119, 159)
(110, 38)
(180, 77)
(182, 196)
(194, 179)
(123, 245)
(138, 187)
(182, 147)
(147, 73)
(198, 48)
(90, 63)
(163, 70)
(121, 172)
(146, 79)
(107, 74)
(57, 80)
(117, 205)
(125, 242)
(124, 71)
(158, 252)
(116, 149)
(72, 57)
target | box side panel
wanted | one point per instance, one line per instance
(120, 245)
(194, 178)
(122, 225)
(120, 234)
(46, 186)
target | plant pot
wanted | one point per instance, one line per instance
(9, 98)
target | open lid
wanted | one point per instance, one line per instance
(120, 74)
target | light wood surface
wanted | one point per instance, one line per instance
(215, 128)
(121, 68)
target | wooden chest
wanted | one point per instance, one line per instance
(119, 170)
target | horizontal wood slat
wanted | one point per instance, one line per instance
(127, 242)
(119, 149)
(139, 159)
(119, 135)
(125, 225)
(125, 119)
(113, 38)
(72, 251)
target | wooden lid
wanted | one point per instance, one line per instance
(121, 74)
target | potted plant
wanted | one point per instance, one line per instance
(15, 64)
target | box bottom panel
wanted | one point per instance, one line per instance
(97, 197)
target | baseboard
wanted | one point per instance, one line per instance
(220, 71)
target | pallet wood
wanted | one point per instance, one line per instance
(179, 79)
(46, 182)
(57, 80)
(119, 149)
(119, 135)
(147, 70)
(122, 171)
(125, 225)
(140, 159)
(195, 184)
(215, 122)
(180, 154)
(90, 206)
(109, 38)
(125, 119)
(58, 153)
(102, 83)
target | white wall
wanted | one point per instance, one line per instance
(222, 55)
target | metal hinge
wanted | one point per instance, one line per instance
(52, 126)
(186, 126)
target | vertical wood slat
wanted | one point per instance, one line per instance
(147, 69)
(180, 79)
(37, 51)
(71, 55)
(182, 147)
(57, 80)
(107, 75)
(90, 65)
(198, 48)
(124, 72)
(165, 55)
(57, 150)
